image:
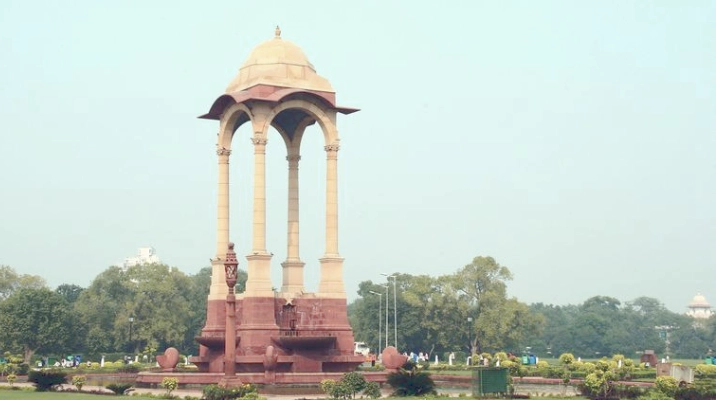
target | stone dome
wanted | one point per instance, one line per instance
(699, 301)
(278, 62)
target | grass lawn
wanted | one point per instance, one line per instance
(28, 394)
(31, 394)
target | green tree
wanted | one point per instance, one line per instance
(11, 281)
(555, 338)
(70, 292)
(36, 320)
(471, 302)
(506, 325)
(155, 296)
(483, 286)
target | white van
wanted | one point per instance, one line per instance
(361, 348)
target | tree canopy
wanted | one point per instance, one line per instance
(36, 320)
(467, 310)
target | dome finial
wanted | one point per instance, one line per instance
(278, 32)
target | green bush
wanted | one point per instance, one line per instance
(119, 388)
(129, 368)
(350, 384)
(45, 380)
(567, 359)
(654, 395)
(628, 392)
(78, 381)
(408, 381)
(327, 386)
(372, 390)
(11, 378)
(216, 392)
(705, 370)
(697, 391)
(170, 385)
(666, 385)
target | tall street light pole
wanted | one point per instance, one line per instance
(386, 314)
(380, 320)
(469, 336)
(131, 321)
(395, 309)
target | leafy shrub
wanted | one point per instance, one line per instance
(567, 359)
(628, 392)
(408, 381)
(327, 386)
(216, 392)
(705, 370)
(372, 390)
(666, 385)
(354, 382)
(654, 395)
(78, 381)
(598, 384)
(698, 391)
(45, 380)
(11, 378)
(350, 384)
(119, 388)
(170, 385)
(129, 368)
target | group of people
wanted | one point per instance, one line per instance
(420, 357)
(64, 362)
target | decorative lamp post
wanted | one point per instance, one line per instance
(230, 265)
(380, 319)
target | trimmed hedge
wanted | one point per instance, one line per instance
(47, 379)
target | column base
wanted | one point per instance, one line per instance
(292, 276)
(331, 283)
(218, 289)
(259, 271)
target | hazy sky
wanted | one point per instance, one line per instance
(573, 141)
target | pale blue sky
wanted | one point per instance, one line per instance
(575, 142)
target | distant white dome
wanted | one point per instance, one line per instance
(699, 301)
(699, 307)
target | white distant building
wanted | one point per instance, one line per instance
(699, 308)
(145, 255)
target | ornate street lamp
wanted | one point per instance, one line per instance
(230, 265)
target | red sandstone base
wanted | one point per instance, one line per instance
(275, 338)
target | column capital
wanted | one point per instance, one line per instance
(259, 141)
(222, 151)
(293, 158)
(259, 144)
(332, 147)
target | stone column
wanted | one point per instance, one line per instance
(218, 289)
(331, 262)
(292, 267)
(259, 282)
